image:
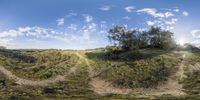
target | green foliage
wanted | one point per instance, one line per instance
(76, 84)
(146, 73)
(153, 68)
(134, 39)
(112, 52)
(116, 53)
(131, 55)
(192, 59)
(47, 64)
(123, 37)
(2, 47)
(161, 38)
(192, 82)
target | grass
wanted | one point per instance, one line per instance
(153, 68)
(76, 85)
(145, 73)
(191, 83)
(47, 64)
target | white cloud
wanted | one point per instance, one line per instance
(103, 22)
(72, 27)
(196, 37)
(168, 14)
(130, 8)
(176, 10)
(88, 18)
(155, 23)
(172, 22)
(153, 12)
(31, 32)
(105, 8)
(71, 14)
(185, 13)
(196, 33)
(126, 17)
(60, 21)
(84, 34)
(150, 23)
(168, 28)
(87, 30)
(166, 24)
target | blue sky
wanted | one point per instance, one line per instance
(83, 24)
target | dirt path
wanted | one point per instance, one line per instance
(100, 86)
(46, 82)
(171, 86)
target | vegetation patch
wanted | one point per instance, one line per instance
(47, 64)
(192, 82)
(137, 73)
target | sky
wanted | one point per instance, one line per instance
(84, 24)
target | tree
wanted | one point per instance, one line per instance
(167, 41)
(155, 37)
(161, 38)
(142, 39)
(123, 37)
(2, 47)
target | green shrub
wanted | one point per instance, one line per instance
(130, 55)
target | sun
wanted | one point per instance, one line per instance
(181, 42)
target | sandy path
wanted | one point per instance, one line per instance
(100, 86)
(45, 82)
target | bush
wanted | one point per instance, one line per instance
(112, 52)
(130, 55)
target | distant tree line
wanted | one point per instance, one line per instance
(128, 39)
(2, 47)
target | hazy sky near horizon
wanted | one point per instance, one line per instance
(83, 24)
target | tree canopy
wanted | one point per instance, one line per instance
(129, 39)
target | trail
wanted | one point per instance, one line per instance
(45, 82)
(171, 86)
(100, 86)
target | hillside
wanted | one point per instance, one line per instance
(42, 74)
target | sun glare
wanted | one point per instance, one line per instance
(181, 42)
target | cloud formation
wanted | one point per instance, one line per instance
(166, 24)
(153, 12)
(72, 27)
(185, 13)
(130, 8)
(196, 33)
(126, 17)
(176, 10)
(105, 8)
(60, 21)
(88, 18)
